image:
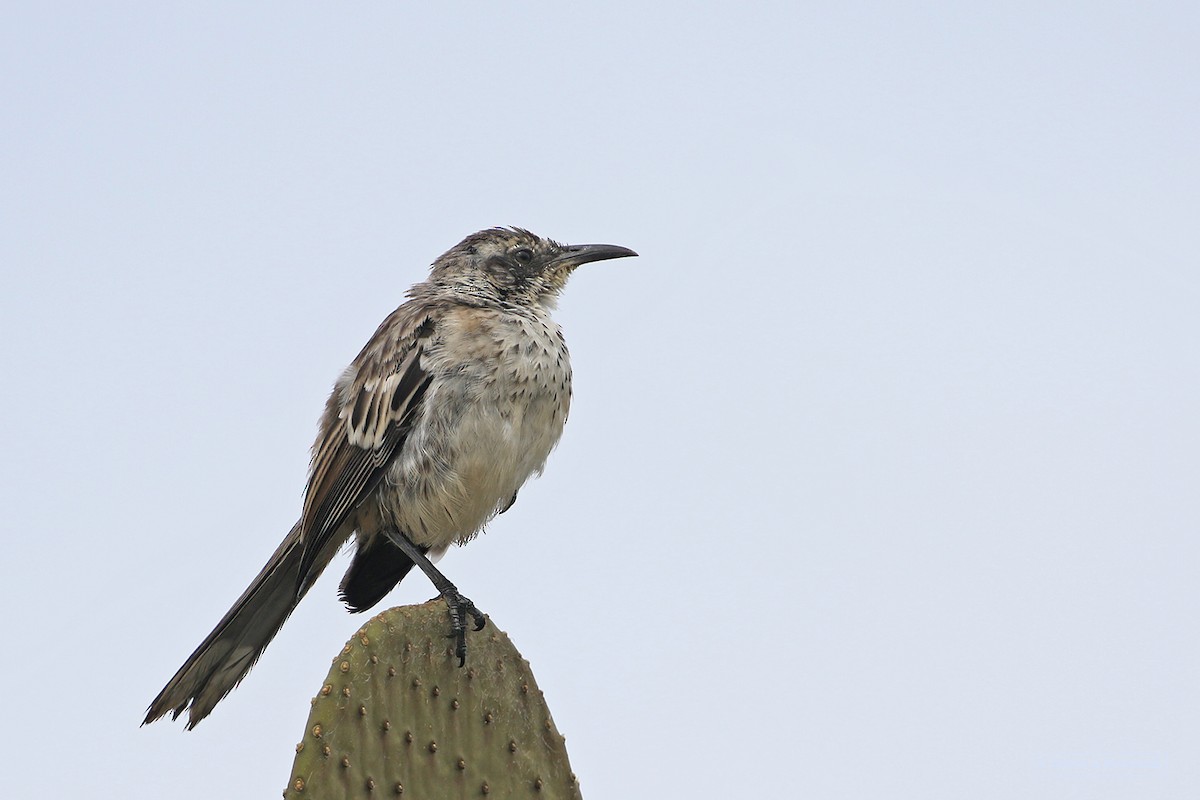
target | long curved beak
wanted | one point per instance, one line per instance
(576, 254)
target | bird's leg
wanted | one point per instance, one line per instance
(458, 605)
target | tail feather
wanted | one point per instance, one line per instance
(233, 647)
(377, 567)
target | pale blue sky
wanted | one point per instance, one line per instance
(881, 476)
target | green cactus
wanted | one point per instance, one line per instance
(398, 717)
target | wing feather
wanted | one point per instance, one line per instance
(365, 426)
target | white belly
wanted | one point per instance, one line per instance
(487, 423)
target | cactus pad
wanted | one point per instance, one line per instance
(397, 717)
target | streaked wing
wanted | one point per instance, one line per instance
(364, 428)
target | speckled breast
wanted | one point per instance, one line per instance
(494, 411)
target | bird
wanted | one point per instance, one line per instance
(453, 403)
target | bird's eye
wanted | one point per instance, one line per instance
(524, 255)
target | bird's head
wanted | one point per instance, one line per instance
(511, 266)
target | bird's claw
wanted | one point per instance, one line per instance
(459, 607)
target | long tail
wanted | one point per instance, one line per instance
(228, 653)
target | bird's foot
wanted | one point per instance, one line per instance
(459, 607)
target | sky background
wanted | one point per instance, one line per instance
(881, 475)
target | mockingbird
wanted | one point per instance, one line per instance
(429, 433)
